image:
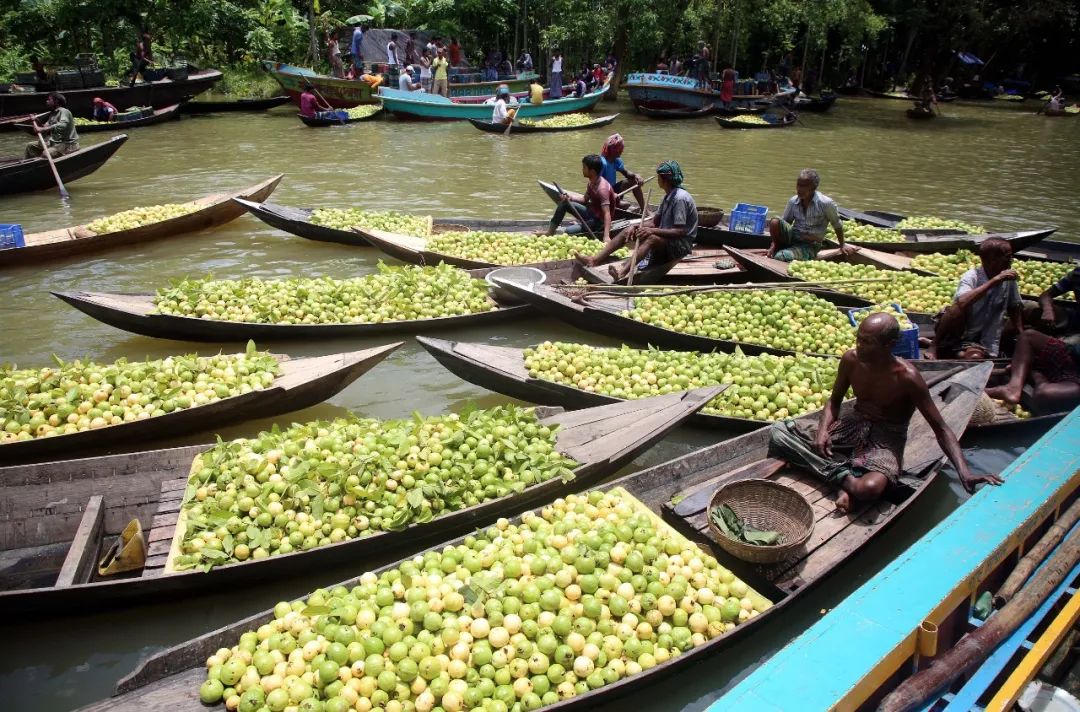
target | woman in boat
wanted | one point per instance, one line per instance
(666, 237)
(60, 127)
(870, 438)
(103, 110)
(594, 209)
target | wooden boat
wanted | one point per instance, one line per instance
(158, 116)
(787, 120)
(948, 244)
(907, 616)
(135, 313)
(213, 210)
(171, 678)
(815, 104)
(704, 265)
(432, 107)
(920, 113)
(680, 113)
(766, 269)
(303, 382)
(1059, 112)
(158, 94)
(666, 91)
(518, 128)
(297, 221)
(44, 532)
(757, 107)
(901, 95)
(215, 107)
(321, 121)
(24, 175)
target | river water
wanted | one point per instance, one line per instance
(993, 164)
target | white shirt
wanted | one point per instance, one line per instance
(425, 71)
(405, 82)
(391, 54)
(987, 316)
(498, 114)
(556, 65)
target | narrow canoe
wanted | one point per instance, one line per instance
(214, 107)
(150, 486)
(322, 121)
(787, 120)
(212, 210)
(297, 221)
(432, 107)
(1058, 112)
(686, 113)
(817, 105)
(171, 678)
(135, 313)
(303, 382)
(766, 269)
(949, 244)
(158, 116)
(518, 128)
(25, 175)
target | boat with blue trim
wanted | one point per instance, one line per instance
(653, 90)
(432, 107)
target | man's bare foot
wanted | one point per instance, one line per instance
(843, 502)
(544, 232)
(585, 259)
(614, 272)
(1005, 393)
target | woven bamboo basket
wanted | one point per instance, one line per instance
(768, 506)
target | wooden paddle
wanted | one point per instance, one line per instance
(512, 120)
(576, 216)
(52, 165)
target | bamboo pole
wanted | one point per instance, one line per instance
(1033, 558)
(749, 286)
(974, 647)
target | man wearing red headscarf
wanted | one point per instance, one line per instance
(612, 164)
(103, 110)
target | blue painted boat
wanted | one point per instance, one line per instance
(431, 107)
(667, 91)
(923, 601)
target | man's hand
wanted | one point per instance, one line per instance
(848, 249)
(564, 198)
(1006, 275)
(638, 179)
(822, 445)
(971, 481)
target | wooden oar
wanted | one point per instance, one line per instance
(576, 216)
(52, 165)
(619, 195)
(633, 248)
(512, 120)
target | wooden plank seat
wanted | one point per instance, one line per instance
(163, 526)
(81, 559)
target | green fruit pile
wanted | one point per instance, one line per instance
(511, 248)
(1036, 276)
(914, 292)
(762, 387)
(795, 321)
(324, 482)
(855, 232)
(391, 294)
(137, 217)
(750, 119)
(387, 221)
(562, 120)
(898, 314)
(79, 121)
(363, 111)
(80, 395)
(518, 616)
(1009, 97)
(932, 223)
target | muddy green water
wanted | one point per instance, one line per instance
(997, 165)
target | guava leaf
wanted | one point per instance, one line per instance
(315, 611)
(415, 498)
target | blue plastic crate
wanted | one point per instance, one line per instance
(748, 218)
(908, 344)
(11, 236)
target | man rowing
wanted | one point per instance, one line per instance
(861, 452)
(502, 113)
(970, 328)
(800, 233)
(612, 164)
(310, 105)
(60, 127)
(592, 210)
(666, 237)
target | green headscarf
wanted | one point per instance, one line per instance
(672, 170)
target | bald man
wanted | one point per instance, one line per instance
(872, 435)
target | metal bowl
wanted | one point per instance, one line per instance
(522, 275)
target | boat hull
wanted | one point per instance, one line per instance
(35, 174)
(159, 94)
(665, 91)
(428, 107)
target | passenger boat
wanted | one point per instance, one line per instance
(666, 91)
(519, 128)
(211, 211)
(297, 221)
(158, 94)
(322, 121)
(347, 93)
(303, 382)
(172, 677)
(218, 107)
(779, 123)
(25, 175)
(157, 116)
(907, 616)
(67, 509)
(432, 107)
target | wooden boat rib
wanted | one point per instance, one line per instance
(172, 677)
(213, 107)
(787, 120)
(26, 175)
(322, 121)
(213, 210)
(518, 128)
(135, 313)
(150, 486)
(159, 116)
(297, 221)
(303, 382)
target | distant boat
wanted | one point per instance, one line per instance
(431, 107)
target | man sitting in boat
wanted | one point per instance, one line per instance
(405, 81)
(593, 209)
(869, 439)
(612, 162)
(505, 108)
(970, 328)
(60, 128)
(799, 234)
(666, 237)
(310, 106)
(103, 110)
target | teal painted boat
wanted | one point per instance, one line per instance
(431, 107)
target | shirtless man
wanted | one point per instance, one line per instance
(888, 391)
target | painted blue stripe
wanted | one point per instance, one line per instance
(876, 618)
